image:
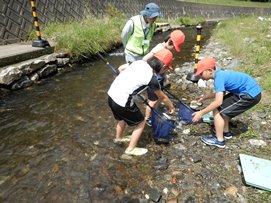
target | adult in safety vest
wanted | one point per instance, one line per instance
(138, 32)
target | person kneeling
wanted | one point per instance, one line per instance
(243, 92)
(137, 76)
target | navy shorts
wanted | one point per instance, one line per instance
(131, 114)
(233, 104)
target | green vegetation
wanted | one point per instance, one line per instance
(234, 3)
(249, 134)
(88, 36)
(95, 34)
(249, 39)
(265, 196)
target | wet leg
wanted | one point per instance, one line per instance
(136, 135)
(121, 125)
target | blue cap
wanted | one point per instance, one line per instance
(151, 10)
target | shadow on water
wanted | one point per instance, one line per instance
(56, 138)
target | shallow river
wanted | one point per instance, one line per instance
(56, 138)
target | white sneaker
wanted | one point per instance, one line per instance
(136, 151)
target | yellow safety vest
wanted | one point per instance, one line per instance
(139, 43)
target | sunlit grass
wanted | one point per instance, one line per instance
(95, 34)
(247, 37)
(89, 36)
(86, 36)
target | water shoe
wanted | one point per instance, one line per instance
(136, 151)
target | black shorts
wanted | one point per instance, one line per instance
(234, 105)
(131, 115)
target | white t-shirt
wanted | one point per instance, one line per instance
(135, 77)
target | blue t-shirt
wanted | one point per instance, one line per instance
(236, 83)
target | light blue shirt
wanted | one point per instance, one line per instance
(236, 83)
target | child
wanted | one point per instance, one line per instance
(127, 84)
(173, 42)
(235, 93)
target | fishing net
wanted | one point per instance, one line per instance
(162, 127)
(185, 113)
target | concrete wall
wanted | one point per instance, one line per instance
(16, 19)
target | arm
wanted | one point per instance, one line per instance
(207, 96)
(164, 98)
(127, 31)
(157, 48)
(148, 56)
(214, 105)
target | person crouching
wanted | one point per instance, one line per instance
(235, 93)
(137, 76)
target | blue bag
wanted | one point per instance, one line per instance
(162, 127)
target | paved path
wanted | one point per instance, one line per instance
(14, 53)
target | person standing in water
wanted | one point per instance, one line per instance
(137, 76)
(172, 42)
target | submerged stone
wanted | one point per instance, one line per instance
(22, 83)
(154, 194)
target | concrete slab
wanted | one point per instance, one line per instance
(15, 53)
(257, 171)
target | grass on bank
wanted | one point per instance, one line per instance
(86, 36)
(241, 3)
(95, 34)
(249, 39)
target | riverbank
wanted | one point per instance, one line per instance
(87, 37)
(196, 172)
(75, 42)
(216, 175)
(93, 35)
(249, 40)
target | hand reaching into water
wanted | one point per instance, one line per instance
(171, 111)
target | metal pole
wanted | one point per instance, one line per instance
(39, 42)
(191, 76)
(197, 48)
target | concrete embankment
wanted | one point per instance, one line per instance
(26, 73)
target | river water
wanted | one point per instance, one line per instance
(56, 138)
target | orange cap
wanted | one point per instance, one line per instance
(205, 64)
(165, 56)
(177, 37)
